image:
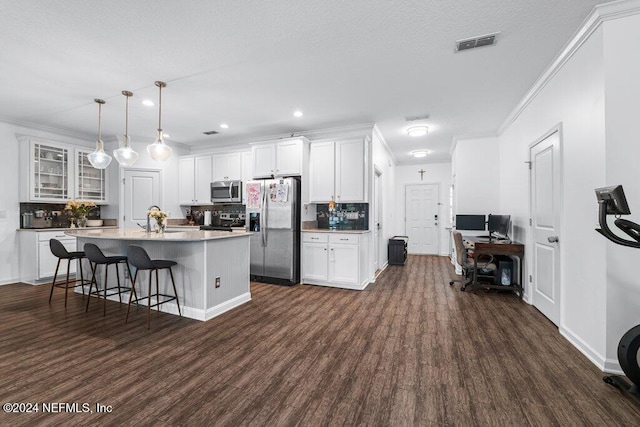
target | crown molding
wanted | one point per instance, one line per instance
(599, 14)
(47, 129)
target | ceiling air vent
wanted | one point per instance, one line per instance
(211, 132)
(478, 41)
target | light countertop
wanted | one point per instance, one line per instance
(324, 230)
(176, 236)
(39, 230)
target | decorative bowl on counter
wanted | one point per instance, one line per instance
(94, 223)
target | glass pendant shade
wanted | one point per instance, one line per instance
(159, 151)
(99, 159)
(125, 155)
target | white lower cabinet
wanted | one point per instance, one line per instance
(335, 259)
(37, 263)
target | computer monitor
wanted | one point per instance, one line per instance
(470, 222)
(498, 225)
(616, 201)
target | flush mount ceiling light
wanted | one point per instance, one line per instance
(420, 153)
(224, 126)
(99, 159)
(158, 150)
(297, 113)
(417, 130)
(125, 155)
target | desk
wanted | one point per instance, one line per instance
(484, 246)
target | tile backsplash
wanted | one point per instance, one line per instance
(346, 216)
(49, 215)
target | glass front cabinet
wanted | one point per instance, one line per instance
(90, 182)
(59, 172)
(50, 172)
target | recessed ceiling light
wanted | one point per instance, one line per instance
(417, 130)
(419, 153)
(148, 103)
(166, 135)
(224, 126)
(297, 113)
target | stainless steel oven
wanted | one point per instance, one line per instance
(226, 192)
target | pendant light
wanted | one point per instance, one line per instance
(125, 154)
(99, 159)
(159, 151)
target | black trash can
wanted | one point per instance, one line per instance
(397, 250)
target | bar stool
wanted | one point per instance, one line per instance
(58, 250)
(139, 258)
(96, 257)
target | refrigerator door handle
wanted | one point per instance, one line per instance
(263, 220)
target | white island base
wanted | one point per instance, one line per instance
(206, 259)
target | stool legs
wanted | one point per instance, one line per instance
(131, 294)
(149, 301)
(175, 291)
(53, 284)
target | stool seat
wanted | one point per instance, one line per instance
(139, 258)
(96, 257)
(60, 252)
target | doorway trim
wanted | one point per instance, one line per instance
(378, 206)
(529, 256)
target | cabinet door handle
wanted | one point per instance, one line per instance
(344, 239)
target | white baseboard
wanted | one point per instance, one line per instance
(9, 281)
(591, 354)
(190, 312)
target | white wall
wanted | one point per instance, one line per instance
(435, 173)
(476, 176)
(622, 101)
(383, 161)
(9, 201)
(573, 97)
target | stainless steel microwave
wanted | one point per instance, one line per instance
(226, 192)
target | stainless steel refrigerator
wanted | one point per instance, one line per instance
(273, 215)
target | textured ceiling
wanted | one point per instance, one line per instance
(252, 63)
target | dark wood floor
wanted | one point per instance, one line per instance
(409, 350)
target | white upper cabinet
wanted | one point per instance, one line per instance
(337, 171)
(247, 172)
(49, 177)
(322, 171)
(282, 158)
(58, 172)
(90, 183)
(195, 176)
(227, 167)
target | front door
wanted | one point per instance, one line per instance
(545, 224)
(421, 218)
(141, 189)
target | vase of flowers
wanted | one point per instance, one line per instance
(77, 211)
(159, 216)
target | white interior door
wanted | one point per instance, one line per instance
(376, 223)
(545, 216)
(421, 218)
(141, 189)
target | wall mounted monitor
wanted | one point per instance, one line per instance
(498, 225)
(616, 201)
(470, 222)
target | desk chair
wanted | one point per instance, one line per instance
(462, 258)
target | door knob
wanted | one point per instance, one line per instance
(552, 239)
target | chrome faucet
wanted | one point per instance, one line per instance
(148, 229)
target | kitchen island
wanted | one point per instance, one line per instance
(212, 275)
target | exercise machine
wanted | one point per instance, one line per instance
(612, 201)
